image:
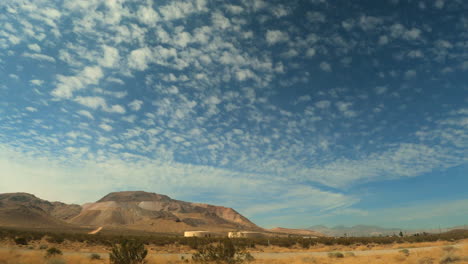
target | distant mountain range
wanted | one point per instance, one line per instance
(369, 230)
(130, 210)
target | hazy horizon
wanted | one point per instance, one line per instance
(294, 113)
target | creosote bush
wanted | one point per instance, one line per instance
(95, 256)
(51, 252)
(128, 252)
(335, 255)
(404, 252)
(224, 252)
(21, 241)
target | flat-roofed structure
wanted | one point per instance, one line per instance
(245, 234)
(203, 234)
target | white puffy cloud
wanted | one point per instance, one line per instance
(325, 66)
(67, 85)
(96, 102)
(345, 108)
(439, 4)
(93, 102)
(316, 17)
(147, 15)
(34, 47)
(105, 127)
(31, 109)
(135, 105)
(86, 114)
(323, 104)
(37, 56)
(181, 9)
(111, 57)
(276, 36)
(115, 109)
(37, 82)
(140, 58)
(310, 52)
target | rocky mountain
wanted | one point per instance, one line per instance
(158, 213)
(26, 210)
(126, 210)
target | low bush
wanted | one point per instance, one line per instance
(405, 252)
(95, 256)
(128, 252)
(21, 241)
(335, 255)
(51, 252)
(224, 252)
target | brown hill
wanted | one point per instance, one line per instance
(26, 210)
(299, 232)
(158, 213)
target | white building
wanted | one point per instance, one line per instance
(203, 234)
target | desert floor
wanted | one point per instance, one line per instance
(421, 253)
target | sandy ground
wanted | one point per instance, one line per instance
(457, 253)
(262, 255)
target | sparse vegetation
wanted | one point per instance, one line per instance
(95, 256)
(21, 241)
(51, 252)
(128, 252)
(195, 243)
(335, 255)
(405, 252)
(224, 252)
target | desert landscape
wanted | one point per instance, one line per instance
(33, 230)
(234, 131)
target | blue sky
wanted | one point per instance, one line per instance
(295, 113)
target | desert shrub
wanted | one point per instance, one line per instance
(42, 247)
(449, 258)
(95, 256)
(349, 254)
(21, 241)
(335, 255)
(55, 239)
(53, 252)
(426, 260)
(128, 252)
(224, 252)
(405, 252)
(305, 243)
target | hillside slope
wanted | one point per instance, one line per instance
(159, 213)
(26, 210)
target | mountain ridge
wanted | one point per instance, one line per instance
(137, 210)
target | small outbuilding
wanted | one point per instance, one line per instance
(245, 234)
(203, 234)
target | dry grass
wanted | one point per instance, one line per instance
(440, 255)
